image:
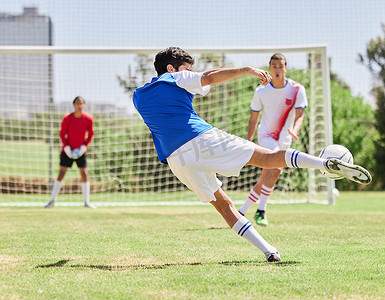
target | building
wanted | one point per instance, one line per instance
(25, 80)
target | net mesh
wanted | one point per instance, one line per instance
(37, 91)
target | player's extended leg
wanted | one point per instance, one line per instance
(291, 158)
(253, 196)
(85, 185)
(57, 187)
(266, 188)
(242, 226)
(266, 183)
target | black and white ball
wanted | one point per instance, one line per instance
(336, 151)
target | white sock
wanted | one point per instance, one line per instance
(253, 198)
(297, 159)
(265, 194)
(56, 189)
(244, 228)
(86, 191)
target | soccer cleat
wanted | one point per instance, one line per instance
(89, 205)
(260, 218)
(50, 204)
(352, 172)
(273, 257)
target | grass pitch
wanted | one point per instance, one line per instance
(190, 253)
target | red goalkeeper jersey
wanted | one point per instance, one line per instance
(76, 131)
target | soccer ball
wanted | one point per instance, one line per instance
(75, 153)
(336, 193)
(335, 151)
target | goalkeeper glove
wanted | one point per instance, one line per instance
(67, 151)
(78, 152)
(83, 150)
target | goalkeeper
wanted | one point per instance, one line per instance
(76, 133)
(196, 152)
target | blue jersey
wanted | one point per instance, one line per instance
(165, 105)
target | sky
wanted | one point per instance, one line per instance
(345, 26)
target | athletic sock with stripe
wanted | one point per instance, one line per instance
(250, 201)
(265, 194)
(245, 229)
(297, 159)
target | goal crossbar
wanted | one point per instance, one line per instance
(150, 50)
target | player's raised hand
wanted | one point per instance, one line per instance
(264, 75)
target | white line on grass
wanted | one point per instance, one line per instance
(143, 203)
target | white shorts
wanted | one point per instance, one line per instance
(197, 162)
(272, 144)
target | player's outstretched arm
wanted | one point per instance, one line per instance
(224, 74)
(297, 123)
(253, 122)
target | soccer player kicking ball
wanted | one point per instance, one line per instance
(195, 151)
(76, 133)
(283, 102)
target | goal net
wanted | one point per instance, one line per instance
(38, 84)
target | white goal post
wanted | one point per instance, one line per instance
(38, 84)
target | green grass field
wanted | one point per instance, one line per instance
(190, 253)
(16, 161)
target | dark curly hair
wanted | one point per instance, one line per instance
(278, 56)
(174, 56)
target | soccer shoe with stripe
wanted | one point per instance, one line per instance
(50, 204)
(273, 257)
(260, 218)
(352, 172)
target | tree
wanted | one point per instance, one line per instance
(353, 127)
(142, 73)
(374, 59)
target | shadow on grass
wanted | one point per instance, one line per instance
(63, 263)
(60, 263)
(202, 229)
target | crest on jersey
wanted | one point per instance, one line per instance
(289, 102)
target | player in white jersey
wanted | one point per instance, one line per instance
(283, 102)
